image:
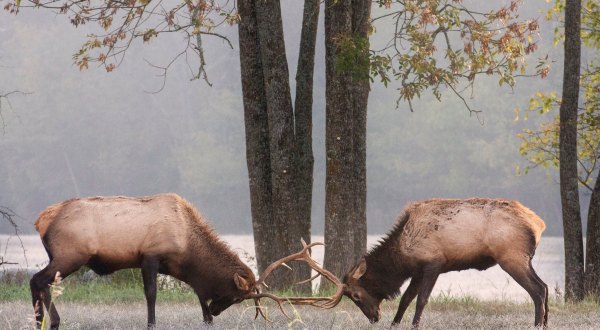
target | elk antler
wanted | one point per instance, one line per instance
(321, 302)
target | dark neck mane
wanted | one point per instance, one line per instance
(205, 240)
(384, 274)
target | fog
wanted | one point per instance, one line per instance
(87, 133)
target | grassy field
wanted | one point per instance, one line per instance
(97, 304)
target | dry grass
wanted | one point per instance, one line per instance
(441, 313)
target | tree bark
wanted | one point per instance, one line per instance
(303, 112)
(574, 267)
(278, 142)
(361, 23)
(346, 102)
(303, 106)
(281, 134)
(592, 255)
(257, 136)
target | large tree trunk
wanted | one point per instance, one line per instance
(592, 255)
(279, 166)
(303, 122)
(361, 16)
(346, 105)
(568, 155)
(257, 136)
(281, 134)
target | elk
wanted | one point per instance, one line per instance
(159, 234)
(442, 235)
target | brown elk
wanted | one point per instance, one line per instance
(159, 234)
(442, 235)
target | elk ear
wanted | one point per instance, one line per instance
(360, 270)
(241, 282)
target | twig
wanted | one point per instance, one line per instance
(9, 216)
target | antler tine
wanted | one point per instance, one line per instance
(309, 279)
(278, 300)
(259, 310)
(336, 298)
(329, 302)
(304, 255)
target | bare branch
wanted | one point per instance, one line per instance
(6, 98)
(123, 21)
(10, 216)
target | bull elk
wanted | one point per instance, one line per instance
(442, 235)
(159, 234)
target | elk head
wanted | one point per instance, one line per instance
(355, 290)
(243, 287)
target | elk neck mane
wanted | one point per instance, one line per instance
(384, 274)
(203, 235)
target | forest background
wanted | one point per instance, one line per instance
(125, 133)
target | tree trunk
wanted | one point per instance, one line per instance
(568, 155)
(361, 23)
(281, 134)
(303, 122)
(592, 256)
(276, 167)
(257, 136)
(346, 102)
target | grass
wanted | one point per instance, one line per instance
(178, 315)
(119, 303)
(122, 287)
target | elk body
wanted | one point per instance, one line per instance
(442, 235)
(159, 234)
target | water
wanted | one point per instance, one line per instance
(492, 283)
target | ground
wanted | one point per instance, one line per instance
(441, 313)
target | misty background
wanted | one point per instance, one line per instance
(122, 133)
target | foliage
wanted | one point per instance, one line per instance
(120, 140)
(353, 57)
(125, 21)
(439, 44)
(435, 43)
(590, 22)
(541, 146)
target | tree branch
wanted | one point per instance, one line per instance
(8, 215)
(6, 98)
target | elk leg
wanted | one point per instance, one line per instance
(149, 272)
(545, 297)
(408, 296)
(40, 293)
(40, 290)
(208, 318)
(430, 275)
(523, 274)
